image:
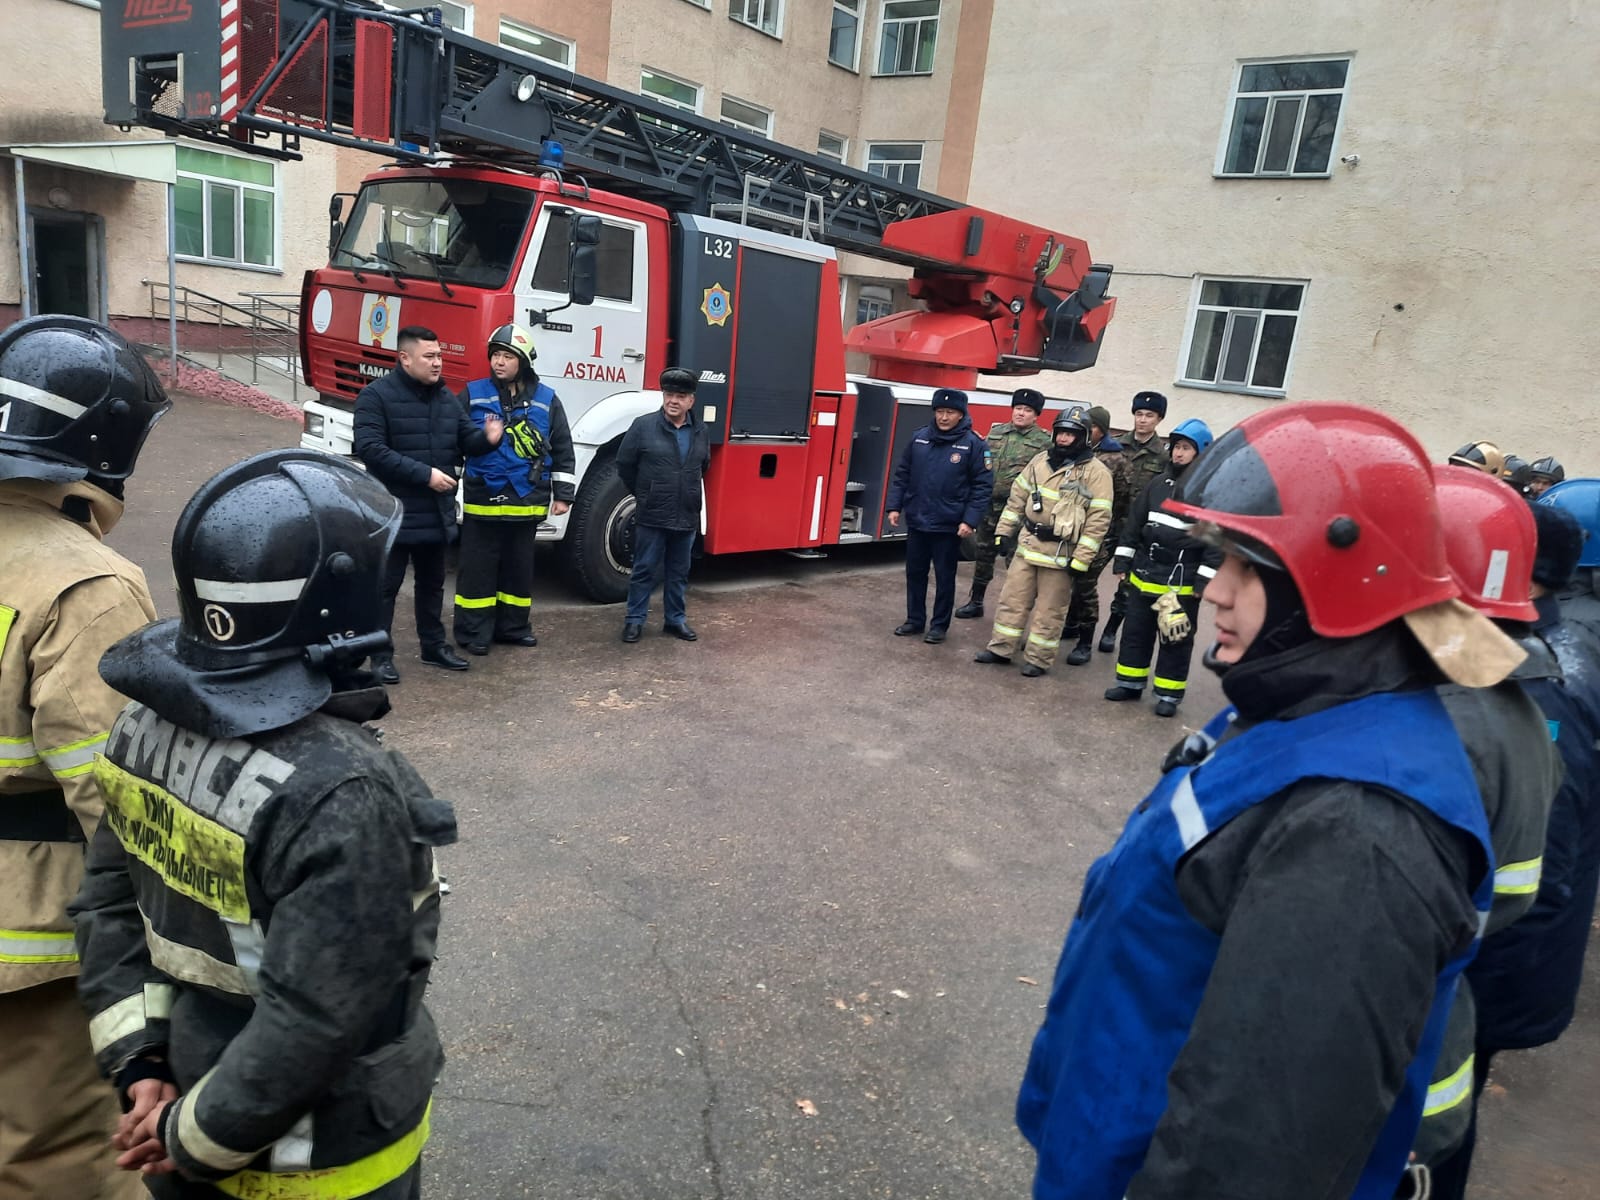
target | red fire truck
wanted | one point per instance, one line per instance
(631, 236)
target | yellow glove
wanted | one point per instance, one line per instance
(525, 441)
(1172, 623)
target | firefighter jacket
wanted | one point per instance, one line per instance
(1007, 450)
(1158, 550)
(516, 480)
(1061, 514)
(1137, 966)
(64, 599)
(263, 912)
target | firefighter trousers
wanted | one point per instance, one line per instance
(56, 1113)
(175, 1187)
(1033, 604)
(494, 580)
(1139, 644)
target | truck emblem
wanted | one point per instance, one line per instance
(717, 305)
(380, 320)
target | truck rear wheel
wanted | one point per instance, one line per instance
(599, 541)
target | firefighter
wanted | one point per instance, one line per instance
(1165, 568)
(1251, 996)
(1517, 473)
(76, 404)
(1055, 521)
(507, 492)
(1480, 456)
(1009, 447)
(1146, 456)
(258, 917)
(1543, 475)
(1083, 614)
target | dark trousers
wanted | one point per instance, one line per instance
(1138, 645)
(1083, 614)
(940, 551)
(427, 585)
(494, 580)
(984, 553)
(175, 1187)
(657, 551)
(1450, 1174)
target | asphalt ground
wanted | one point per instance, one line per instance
(775, 914)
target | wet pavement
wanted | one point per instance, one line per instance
(774, 914)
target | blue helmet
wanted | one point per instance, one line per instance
(1581, 498)
(1196, 431)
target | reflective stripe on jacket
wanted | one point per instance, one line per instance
(1061, 515)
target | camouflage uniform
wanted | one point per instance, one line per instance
(1144, 463)
(1008, 450)
(1084, 612)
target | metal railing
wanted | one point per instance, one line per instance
(262, 330)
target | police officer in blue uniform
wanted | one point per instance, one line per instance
(1252, 994)
(507, 492)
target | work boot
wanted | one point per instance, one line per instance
(974, 605)
(1166, 707)
(934, 636)
(1084, 650)
(1108, 639)
(1032, 671)
(516, 639)
(1123, 693)
(989, 656)
(907, 629)
(383, 668)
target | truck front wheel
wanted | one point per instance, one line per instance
(599, 542)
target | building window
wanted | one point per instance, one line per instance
(456, 15)
(844, 40)
(873, 302)
(546, 46)
(910, 30)
(679, 93)
(765, 15)
(1242, 334)
(227, 208)
(831, 145)
(898, 161)
(706, 4)
(742, 115)
(1284, 118)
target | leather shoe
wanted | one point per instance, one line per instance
(1080, 654)
(909, 629)
(630, 632)
(520, 639)
(478, 648)
(383, 668)
(1123, 693)
(971, 609)
(989, 656)
(1166, 708)
(443, 656)
(1033, 671)
(934, 636)
(682, 632)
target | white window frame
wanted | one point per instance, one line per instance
(444, 7)
(763, 130)
(699, 90)
(873, 302)
(518, 27)
(1185, 351)
(885, 21)
(856, 9)
(739, 11)
(705, 4)
(899, 177)
(843, 157)
(1274, 98)
(275, 267)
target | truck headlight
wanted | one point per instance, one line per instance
(314, 424)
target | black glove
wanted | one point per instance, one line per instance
(1005, 544)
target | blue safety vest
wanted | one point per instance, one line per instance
(1136, 964)
(503, 467)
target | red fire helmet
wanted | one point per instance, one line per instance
(1342, 496)
(1490, 540)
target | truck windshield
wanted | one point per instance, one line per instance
(458, 230)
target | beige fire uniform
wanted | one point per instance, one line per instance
(64, 599)
(1061, 516)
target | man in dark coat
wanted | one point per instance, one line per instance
(941, 487)
(413, 435)
(663, 461)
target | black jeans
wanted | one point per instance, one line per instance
(428, 585)
(940, 551)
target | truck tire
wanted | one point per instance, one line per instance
(598, 545)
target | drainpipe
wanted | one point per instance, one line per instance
(22, 239)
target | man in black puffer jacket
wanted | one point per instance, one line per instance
(413, 435)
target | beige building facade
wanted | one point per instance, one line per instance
(1393, 204)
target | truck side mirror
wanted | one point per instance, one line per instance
(335, 222)
(583, 268)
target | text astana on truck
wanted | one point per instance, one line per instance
(617, 228)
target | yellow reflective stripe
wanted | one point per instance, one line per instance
(1139, 673)
(197, 1143)
(1041, 560)
(1518, 878)
(1159, 588)
(75, 758)
(360, 1178)
(519, 601)
(1047, 493)
(7, 616)
(1047, 643)
(1172, 685)
(32, 946)
(1007, 630)
(1097, 503)
(18, 752)
(474, 601)
(1089, 543)
(1449, 1092)
(505, 510)
(1010, 514)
